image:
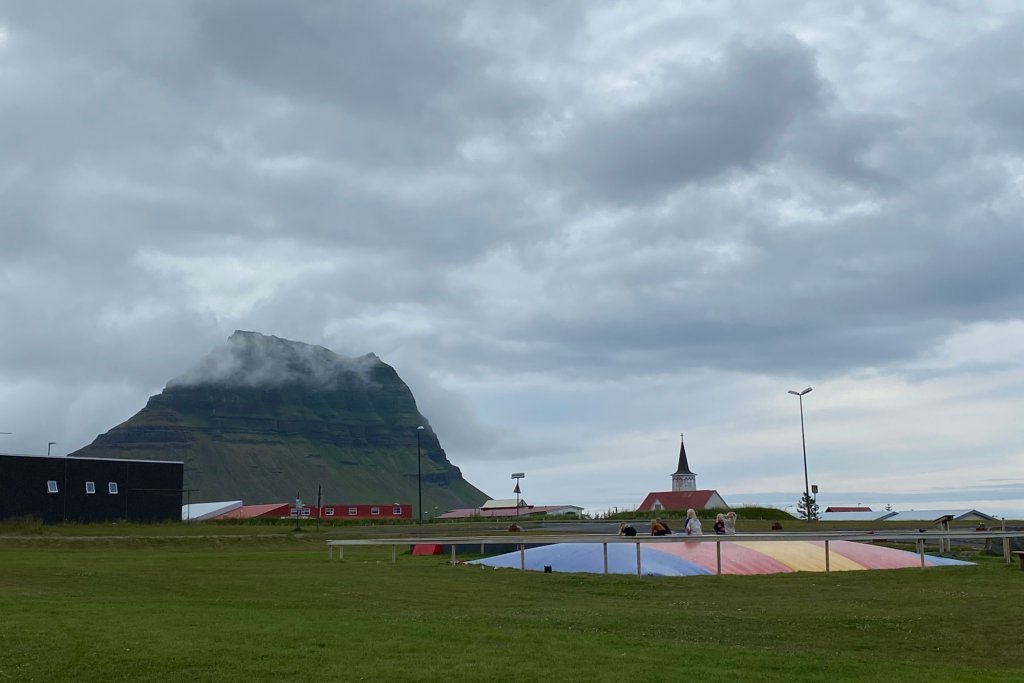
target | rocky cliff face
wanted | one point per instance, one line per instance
(262, 418)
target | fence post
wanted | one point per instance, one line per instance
(1006, 544)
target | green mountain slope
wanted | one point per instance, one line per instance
(262, 418)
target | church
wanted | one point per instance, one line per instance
(684, 494)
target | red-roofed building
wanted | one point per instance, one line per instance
(328, 511)
(839, 508)
(684, 494)
(682, 500)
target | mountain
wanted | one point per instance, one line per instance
(262, 418)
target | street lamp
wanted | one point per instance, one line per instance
(419, 474)
(517, 476)
(803, 440)
(48, 445)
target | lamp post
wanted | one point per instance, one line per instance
(517, 476)
(803, 440)
(419, 474)
(48, 446)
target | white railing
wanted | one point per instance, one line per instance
(521, 540)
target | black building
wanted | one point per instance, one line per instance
(90, 489)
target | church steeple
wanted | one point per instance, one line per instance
(683, 479)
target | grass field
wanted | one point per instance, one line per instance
(270, 606)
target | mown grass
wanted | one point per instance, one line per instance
(272, 607)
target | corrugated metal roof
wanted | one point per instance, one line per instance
(503, 503)
(855, 516)
(532, 510)
(201, 511)
(932, 515)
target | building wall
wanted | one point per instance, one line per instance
(342, 511)
(716, 501)
(146, 491)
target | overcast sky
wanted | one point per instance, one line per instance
(576, 229)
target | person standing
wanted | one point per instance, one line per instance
(692, 523)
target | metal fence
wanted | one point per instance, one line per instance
(920, 539)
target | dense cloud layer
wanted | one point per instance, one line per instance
(574, 228)
(250, 359)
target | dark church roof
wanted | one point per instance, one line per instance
(683, 468)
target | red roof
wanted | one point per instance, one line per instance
(678, 500)
(251, 511)
(839, 508)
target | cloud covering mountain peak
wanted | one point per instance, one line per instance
(251, 359)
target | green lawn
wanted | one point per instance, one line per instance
(272, 607)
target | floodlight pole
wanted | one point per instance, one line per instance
(517, 476)
(419, 474)
(803, 440)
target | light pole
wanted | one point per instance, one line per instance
(517, 476)
(48, 446)
(803, 440)
(419, 474)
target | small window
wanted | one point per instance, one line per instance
(328, 512)
(51, 486)
(90, 487)
(305, 512)
(112, 488)
(374, 511)
(397, 511)
(353, 511)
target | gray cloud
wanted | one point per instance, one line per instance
(251, 359)
(698, 122)
(525, 207)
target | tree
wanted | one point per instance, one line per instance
(807, 508)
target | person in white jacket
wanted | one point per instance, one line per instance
(730, 522)
(692, 523)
